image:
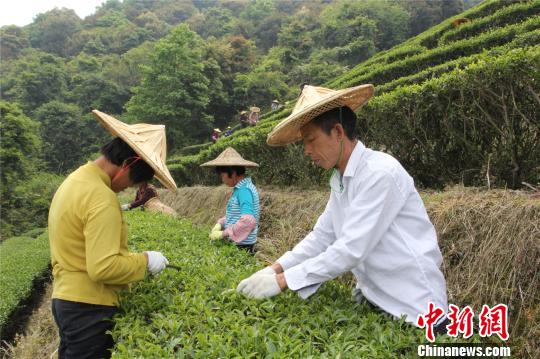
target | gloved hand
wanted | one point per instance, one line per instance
(156, 262)
(125, 207)
(216, 228)
(265, 270)
(215, 235)
(259, 286)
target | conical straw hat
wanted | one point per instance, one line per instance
(229, 157)
(148, 141)
(314, 101)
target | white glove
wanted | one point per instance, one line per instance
(265, 270)
(259, 286)
(125, 207)
(156, 262)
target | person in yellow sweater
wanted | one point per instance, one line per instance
(90, 259)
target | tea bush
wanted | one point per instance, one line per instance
(452, 128)
(23, 260)
(507, 15)
(384, 73)
(196, 313)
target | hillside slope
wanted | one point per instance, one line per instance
(454, 104)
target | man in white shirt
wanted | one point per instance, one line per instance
(374, 224)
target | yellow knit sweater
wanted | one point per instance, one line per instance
(88, 237)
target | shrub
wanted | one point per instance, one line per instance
(385, 73)
(508, 15)
(29, 204)
(456, 128)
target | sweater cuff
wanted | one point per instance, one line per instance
(241, 229)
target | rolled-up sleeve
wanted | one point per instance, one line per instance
(314, 243)
(104, 262)
(376, 204)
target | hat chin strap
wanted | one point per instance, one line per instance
(124, 168)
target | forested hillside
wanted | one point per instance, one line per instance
(191, 64)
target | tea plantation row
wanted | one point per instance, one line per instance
(23, 261)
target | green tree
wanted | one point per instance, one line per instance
(14, 39)
(91, 88)
(259, 87)
(20, 144)
(174, 12)
(218, 68)
(126, 69)
(18, 154)
(68, 137)
(174, 89)
(360, 28)
(296, 36)
(155, 27)
(423, 14)
(214, 21)
(451, 7)
(35, 78)
(51, 31)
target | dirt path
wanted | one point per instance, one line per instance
(40, 338)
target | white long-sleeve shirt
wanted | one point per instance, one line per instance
(377, 227)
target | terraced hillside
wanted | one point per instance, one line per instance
(458, 103)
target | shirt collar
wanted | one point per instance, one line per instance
(354, 160)
(243, 182)
(95, 169)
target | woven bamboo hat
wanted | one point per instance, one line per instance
(254, 109)
(314, 101)
(148, 141)
(229, 157)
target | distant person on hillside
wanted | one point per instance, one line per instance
(275, 105)
(241, 222)
(374, 224)
(254, 115)
(228, 131)
(215, 134)
(148, 197)
(244, 119)
(88, 237)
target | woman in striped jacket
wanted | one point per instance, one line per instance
(241, 221)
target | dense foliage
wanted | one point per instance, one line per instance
(23, 260)
(195, 312)
(192, 65)
(195, 64)
(465, 110)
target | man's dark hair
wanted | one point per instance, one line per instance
(326, 121)
(240, 170)
(117, 151)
